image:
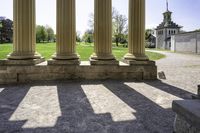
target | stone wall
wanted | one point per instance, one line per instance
(188, 42)
(146, 70)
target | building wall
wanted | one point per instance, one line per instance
(188, 42)
(160, 43)
(161, 40)
(198, 42)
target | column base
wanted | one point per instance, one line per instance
(25, 62)
(104, 62)
(137, 57)
(102, 57)
(66, 57)
(63, 62)
(96, 59)
(24, 56)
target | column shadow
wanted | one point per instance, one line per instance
(78, 116)
(173, 90)
(10, 98)
(152, 117)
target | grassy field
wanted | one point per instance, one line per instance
(84, 50)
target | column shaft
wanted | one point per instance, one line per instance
(66, 30)
(103, 30)
(24, 30)
(136, 32)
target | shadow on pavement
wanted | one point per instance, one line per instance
(78, 115)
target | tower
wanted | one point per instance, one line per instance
(166, 29)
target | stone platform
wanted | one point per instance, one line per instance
(41, 72)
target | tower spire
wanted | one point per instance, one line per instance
(167, 5)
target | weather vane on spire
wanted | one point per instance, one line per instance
(167, 5)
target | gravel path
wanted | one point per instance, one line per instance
(100, 106)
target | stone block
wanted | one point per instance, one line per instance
(63, 62)
(134, 62)
(28, 62)
(182, 126)
(187, 111)
(162, 75)
(104, 62)
(7, 78)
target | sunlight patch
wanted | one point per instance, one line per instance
(154, 94)
(39, 108)
(104, 101)
(1, 89)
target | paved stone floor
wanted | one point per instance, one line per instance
(100, 106)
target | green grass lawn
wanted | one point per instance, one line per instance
(84, 50)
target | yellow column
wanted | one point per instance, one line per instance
(102, 31)
(24, 30)
(136, 33)
(66, 31)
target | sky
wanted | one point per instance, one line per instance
(185, 12)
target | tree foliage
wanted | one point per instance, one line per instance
(197, 30)
(44, 34)
(50, 34)
(88, 36)
(148, 32)
(120, 27)
(6, 30)
(78, 36)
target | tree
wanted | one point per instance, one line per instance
(78, 37)
(50, 34)
(88, 36)
(148, 32)
(41, 34)
(6, 30)
(120, 27)
(150, 39)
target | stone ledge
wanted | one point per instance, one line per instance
(63, 62)
(189, 110)
(28, 62)
(134, 62)
(104, 62)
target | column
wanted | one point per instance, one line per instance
(136, 33)
(102, 31)
(66, 32)
(24, 31)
